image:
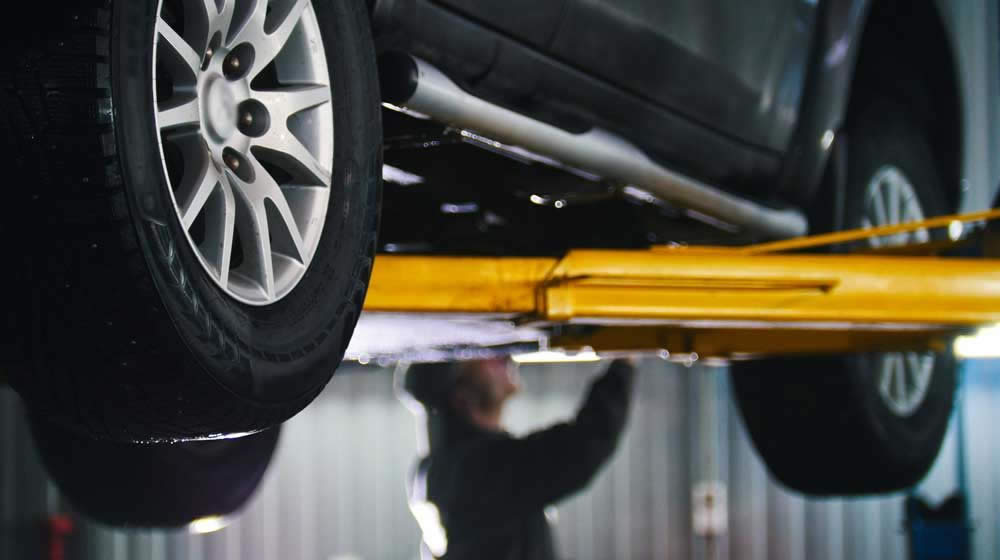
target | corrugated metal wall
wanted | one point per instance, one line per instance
(982, 450)
(335, 490)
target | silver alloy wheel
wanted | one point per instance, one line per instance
(904, 377)
(245, 115)
(890, 199)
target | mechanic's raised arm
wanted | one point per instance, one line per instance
(551, 464)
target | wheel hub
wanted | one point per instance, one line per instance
(221, 108)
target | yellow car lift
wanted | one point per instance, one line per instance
(724, 302)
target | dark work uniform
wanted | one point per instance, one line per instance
(491, 489)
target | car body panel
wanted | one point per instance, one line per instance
(718, 90)
(530, 21)
(825, 99)
(509, 73)
(701, 58)
(972, 29)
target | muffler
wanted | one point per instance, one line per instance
(416, 85)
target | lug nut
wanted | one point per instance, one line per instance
(208, 59)
(253, 119)
(233, 162)
(238, 61)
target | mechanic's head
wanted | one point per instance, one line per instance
(475, 390)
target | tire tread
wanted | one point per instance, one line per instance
(58, 122)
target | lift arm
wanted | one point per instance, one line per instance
(722, 301)
(606, 287)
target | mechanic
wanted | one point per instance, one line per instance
(489, 489)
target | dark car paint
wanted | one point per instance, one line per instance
(732, 66)
(528, 21)
(510, 73)
(828, 87)
(707, 123)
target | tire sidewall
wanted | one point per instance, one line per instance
(178, 482)
(288, 350)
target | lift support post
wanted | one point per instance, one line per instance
(713, 301)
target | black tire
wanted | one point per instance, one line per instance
(126, 335)
(177, 482)
(818, 422)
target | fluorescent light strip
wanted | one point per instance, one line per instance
(555, 357)
(984, 344)
(207, 525)
(396, 175)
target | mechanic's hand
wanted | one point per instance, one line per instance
(606, 409)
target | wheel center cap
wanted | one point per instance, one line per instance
(221, 109)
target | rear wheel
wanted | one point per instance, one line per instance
(868, 423)
(207, 173)
(179, 483)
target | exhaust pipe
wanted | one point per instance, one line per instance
(416, 85)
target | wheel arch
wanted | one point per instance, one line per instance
(905, 53)
(861, 49)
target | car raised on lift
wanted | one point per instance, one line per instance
(199, 185)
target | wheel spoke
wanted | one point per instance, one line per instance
(876, 214)
(225, 243)
(216, 247)
(283, 30)
(266, 186)
(912, 213)
(885, 385)
(180, 47)
(923, 367)
(268, 43)
(265, 262)
(285, 213)
(211, 10)
(905, 378)
(881, 217)
(873, 241)
(286, 102)
(252, 30)
(913, 370)
(890, 373)
(219, 21)
(911, 210)
(284, 148)
(255, 237)
(895, 194)
(900, 374)
(194, 203)
(185, 114)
